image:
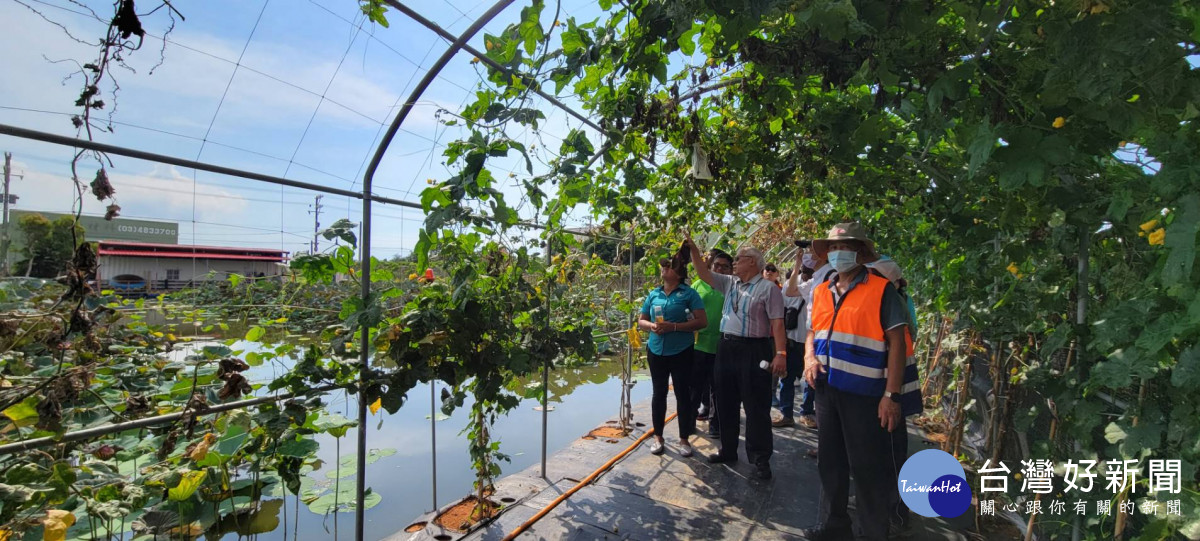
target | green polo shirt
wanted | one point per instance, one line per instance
(710, 336)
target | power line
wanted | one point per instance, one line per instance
(215, 57)
(317, 109)
(244, 186)
(210, 141)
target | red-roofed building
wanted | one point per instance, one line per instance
(159, 267)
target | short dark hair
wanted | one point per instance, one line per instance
(680, 270)
(716, 253)
(771, 268)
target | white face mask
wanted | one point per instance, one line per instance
(843, 260)
(809, 261)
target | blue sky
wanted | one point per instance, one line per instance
(308, 102)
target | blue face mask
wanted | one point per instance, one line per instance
(843, 260)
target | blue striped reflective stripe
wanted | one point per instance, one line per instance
(844, 360)
(858, 355)
(852, 368)
(910, 395)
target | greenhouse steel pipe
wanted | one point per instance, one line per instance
(433, 437)
(95, 432)
(44, 137)
(546, 362)
(627, 407)
(365, 254)
(532, 85)
(190, 164)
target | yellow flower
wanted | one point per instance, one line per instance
(1149, 226)
(1060, 122)
(56, 523)
(412, 276)
(731, 124)
(429, 181)
(201, 449)
(1156, 238)
(378, 403)
(1012, 267)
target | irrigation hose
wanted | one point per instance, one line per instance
(586, 481)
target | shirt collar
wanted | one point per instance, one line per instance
(753, 281)
(682, 286)
(862, 277)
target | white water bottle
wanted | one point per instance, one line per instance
(765, 365)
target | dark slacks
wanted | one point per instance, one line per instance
(794, 377)
(851, 443)
(741, 383)
(900, 513)
(702, 388)
(665, 370)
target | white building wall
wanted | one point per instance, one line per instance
(197, 269)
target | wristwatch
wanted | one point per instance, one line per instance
(894, 396)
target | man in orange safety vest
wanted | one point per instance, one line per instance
(855, 359)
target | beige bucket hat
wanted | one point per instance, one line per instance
(843, 231)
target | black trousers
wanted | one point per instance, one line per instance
(850, 442)
(702, 388)
(677, 369)
(900, 511)
(741, 383)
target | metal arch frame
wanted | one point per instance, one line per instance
(365, 253)
(483, 57)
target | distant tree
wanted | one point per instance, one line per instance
(613, 252)
(48, 245)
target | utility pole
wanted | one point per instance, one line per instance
(5, 240)
(316, 212)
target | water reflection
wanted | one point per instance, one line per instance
(584, 396)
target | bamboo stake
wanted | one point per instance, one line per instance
(1053, 432)
(937, 353)
(1038, 497)
(963, 394)
(1001, 421)
(1122, 517)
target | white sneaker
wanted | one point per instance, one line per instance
(656, 448)
(685, 449)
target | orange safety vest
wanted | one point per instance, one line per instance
(849, 340)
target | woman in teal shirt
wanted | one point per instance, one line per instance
(672, 313)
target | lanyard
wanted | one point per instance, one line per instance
(837, 307)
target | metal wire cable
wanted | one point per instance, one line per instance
(195, 138)
(320, 101)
